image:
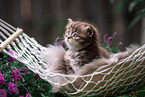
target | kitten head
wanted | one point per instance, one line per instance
(80, 34)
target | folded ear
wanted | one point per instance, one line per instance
(89, 30)
(70, 21)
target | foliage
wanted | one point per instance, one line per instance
(132, 6)
(135, 93)
(16, 80)
(108, 43)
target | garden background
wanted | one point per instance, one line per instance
(45, 20)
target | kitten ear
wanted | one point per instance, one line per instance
(89, 30)
(70, 20)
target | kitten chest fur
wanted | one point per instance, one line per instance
(72, 59)
(77, 59)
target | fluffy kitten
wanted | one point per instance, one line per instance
(82, 40)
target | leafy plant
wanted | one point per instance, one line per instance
(16, 80)
(108, 43)
(132, 4)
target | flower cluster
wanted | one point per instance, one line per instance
(108, 43)
(1, 79)
(16, 80)
(11, 59)
(13, 88)
(28, 95)
(3, 93)
(16, 75)
(25, 69)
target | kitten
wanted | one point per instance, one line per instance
(82, 40)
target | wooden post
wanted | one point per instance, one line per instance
(10, 39)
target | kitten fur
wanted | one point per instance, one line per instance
(53, 56)
(82, 40)
(97, 64)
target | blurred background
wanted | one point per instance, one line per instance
(45, 20)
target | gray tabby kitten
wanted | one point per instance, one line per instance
(82, 40)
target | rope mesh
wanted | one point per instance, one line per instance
(112, 79)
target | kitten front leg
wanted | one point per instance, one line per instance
(69, 69)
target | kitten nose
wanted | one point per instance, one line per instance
(69, 37)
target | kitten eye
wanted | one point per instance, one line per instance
(68, 32)
(75, 35)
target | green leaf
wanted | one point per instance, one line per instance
(140, 12)
(121, 5)
(135, 20)
(43, 95)
(132, 5)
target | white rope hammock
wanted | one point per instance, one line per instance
(111, 79)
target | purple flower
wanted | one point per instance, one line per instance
(60, 41)
(10, 52)
(28, 72)
(10, 58)
(25, 69)
(30, 81)
(63, 44)
(35, 76)
(3, 93)
(12, 88)
(23, 74)
(120, 43)
(21, 96)
(28, 95)
(16, 75)
(114, 34)
(57, 41)
(1, 79)
(109, 40)
(22, 69)
(42, 89)
(105, 37)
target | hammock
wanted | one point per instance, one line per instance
(111, 79)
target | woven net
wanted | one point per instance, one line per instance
(111, 79)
